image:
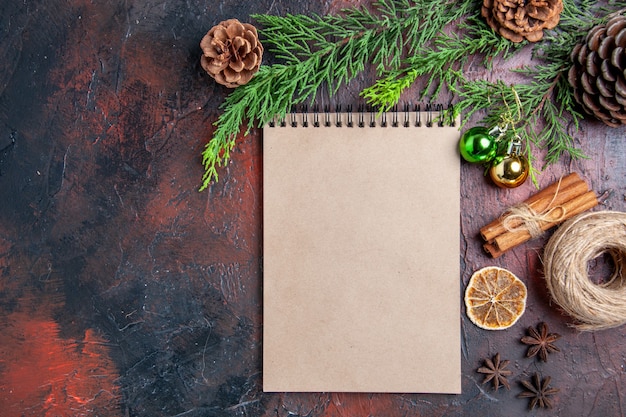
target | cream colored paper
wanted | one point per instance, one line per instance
(361, 279)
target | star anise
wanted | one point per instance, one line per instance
(541, 342)
(495, 371)
(538, 391)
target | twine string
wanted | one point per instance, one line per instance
(522, 217)
(566, 259)
(530, 219)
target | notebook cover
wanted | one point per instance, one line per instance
(361, 279)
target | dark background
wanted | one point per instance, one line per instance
(126, 292)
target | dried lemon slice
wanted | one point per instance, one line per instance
(495, 298)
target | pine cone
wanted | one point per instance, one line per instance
(597, 73)
(232, 52)
(517, 20)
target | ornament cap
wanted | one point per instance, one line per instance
(514, 147)
(497, 131)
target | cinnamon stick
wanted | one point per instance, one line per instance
(573, 207)
(553, 195)
(492, 250)
(539, 204)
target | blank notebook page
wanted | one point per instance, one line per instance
(361, 282)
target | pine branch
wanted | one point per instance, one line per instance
(440, 62)
(323, 50)
(548, 98)
(331, 50)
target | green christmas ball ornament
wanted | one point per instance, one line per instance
(478, 145)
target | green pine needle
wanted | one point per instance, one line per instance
(324, 51)
(405, 42)
(440, 63)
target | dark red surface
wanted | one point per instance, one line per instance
(125, 292)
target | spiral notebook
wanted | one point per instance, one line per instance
(361, 280)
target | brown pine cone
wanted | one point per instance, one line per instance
(597, 73)
(232, 52)
(517, 20)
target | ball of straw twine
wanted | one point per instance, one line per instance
(566, 260)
